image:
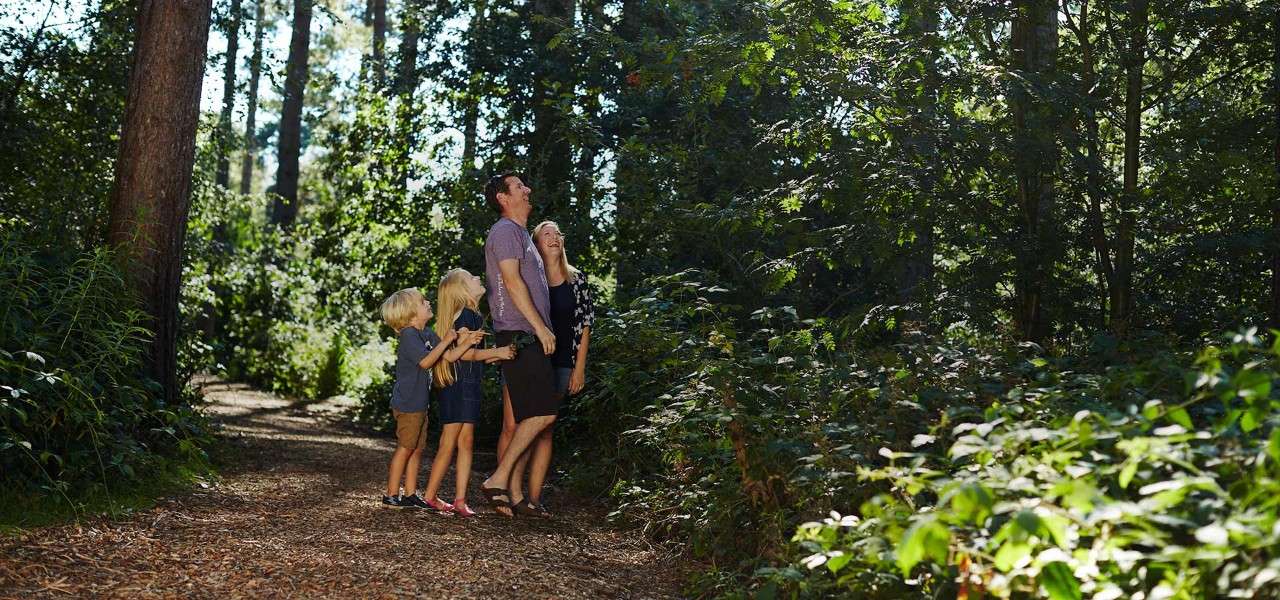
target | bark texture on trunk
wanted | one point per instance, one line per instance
(1135, 63)
(1034, 41)
(550, 154)
(222, 174)
(285, 210)
(250, 124)
(378, 15)
(151, 195)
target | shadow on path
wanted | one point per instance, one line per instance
(297, 514)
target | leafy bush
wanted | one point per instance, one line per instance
(75, 409)
(1172, 495)
(723, 433)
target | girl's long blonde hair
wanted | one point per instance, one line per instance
(570, 273)
(450, 300)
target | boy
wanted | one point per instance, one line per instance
(407, 312)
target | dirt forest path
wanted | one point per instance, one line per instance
(295, 515)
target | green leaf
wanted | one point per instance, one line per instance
(837, 562)
(1127, 473)
(1011, 553)
(1059, 583)
(1273, 445)
(973, 503)
(1179, 415)
(927, 538)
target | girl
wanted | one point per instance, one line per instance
(459, 384)
(572, 314)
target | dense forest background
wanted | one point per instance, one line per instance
(952, 269)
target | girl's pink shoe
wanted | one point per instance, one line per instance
(460, 508)
(440, 505)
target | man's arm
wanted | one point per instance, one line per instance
(511, 279)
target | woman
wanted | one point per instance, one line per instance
(572, 314)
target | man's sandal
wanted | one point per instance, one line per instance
(525, 507)
(493, 495)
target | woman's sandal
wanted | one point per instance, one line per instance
(525, 507)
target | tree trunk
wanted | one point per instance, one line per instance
(223, 174)
(378, 14)
(1095, 221)
(405, 85)
(1035, 47)
(550, 154)
(1135, 63)
(152, 191)
(407, 72)
(250, 125)
(285, 209)
(1275, 199)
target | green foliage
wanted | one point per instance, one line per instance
(1171, 491)
(77, 417)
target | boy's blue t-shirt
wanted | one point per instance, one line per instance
(413, 383)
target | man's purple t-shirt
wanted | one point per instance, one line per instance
(507, 239)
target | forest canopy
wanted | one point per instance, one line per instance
(831, 240)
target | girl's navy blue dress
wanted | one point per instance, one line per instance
(460, 402)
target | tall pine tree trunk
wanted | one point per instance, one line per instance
(250, 124)
(285, 209)
(223, 174)
(1135, 63)
(405, 85)
(152, 192)
(378, 15)
(1035, 48)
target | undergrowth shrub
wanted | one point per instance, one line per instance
(77, 415)
(816, 458)
(1173, 491)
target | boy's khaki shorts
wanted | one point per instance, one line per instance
(411, 429)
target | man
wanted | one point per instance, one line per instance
(520, 305)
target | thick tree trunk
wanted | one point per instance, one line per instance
(250, 124)
(1035, 48)
(152, 191)
(378, 14)
(223, 174)
(285, 209)
(1275, 199)
(1135, 63)
(550, 154)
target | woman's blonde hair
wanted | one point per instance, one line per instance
(399, 308)
(450, 300)
(570, 273)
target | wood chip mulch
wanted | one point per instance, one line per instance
(296, 514)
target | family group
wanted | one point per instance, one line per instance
(541, 311)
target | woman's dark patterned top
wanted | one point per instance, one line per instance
(584, 310)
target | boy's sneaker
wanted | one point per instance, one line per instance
(414, 501)
(393, 501)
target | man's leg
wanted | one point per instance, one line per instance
(526, 432)
(541, 462)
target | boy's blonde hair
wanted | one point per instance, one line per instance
(450, 300)
(399, 308)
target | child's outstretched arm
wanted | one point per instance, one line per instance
(435, 354)
(466, 339)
